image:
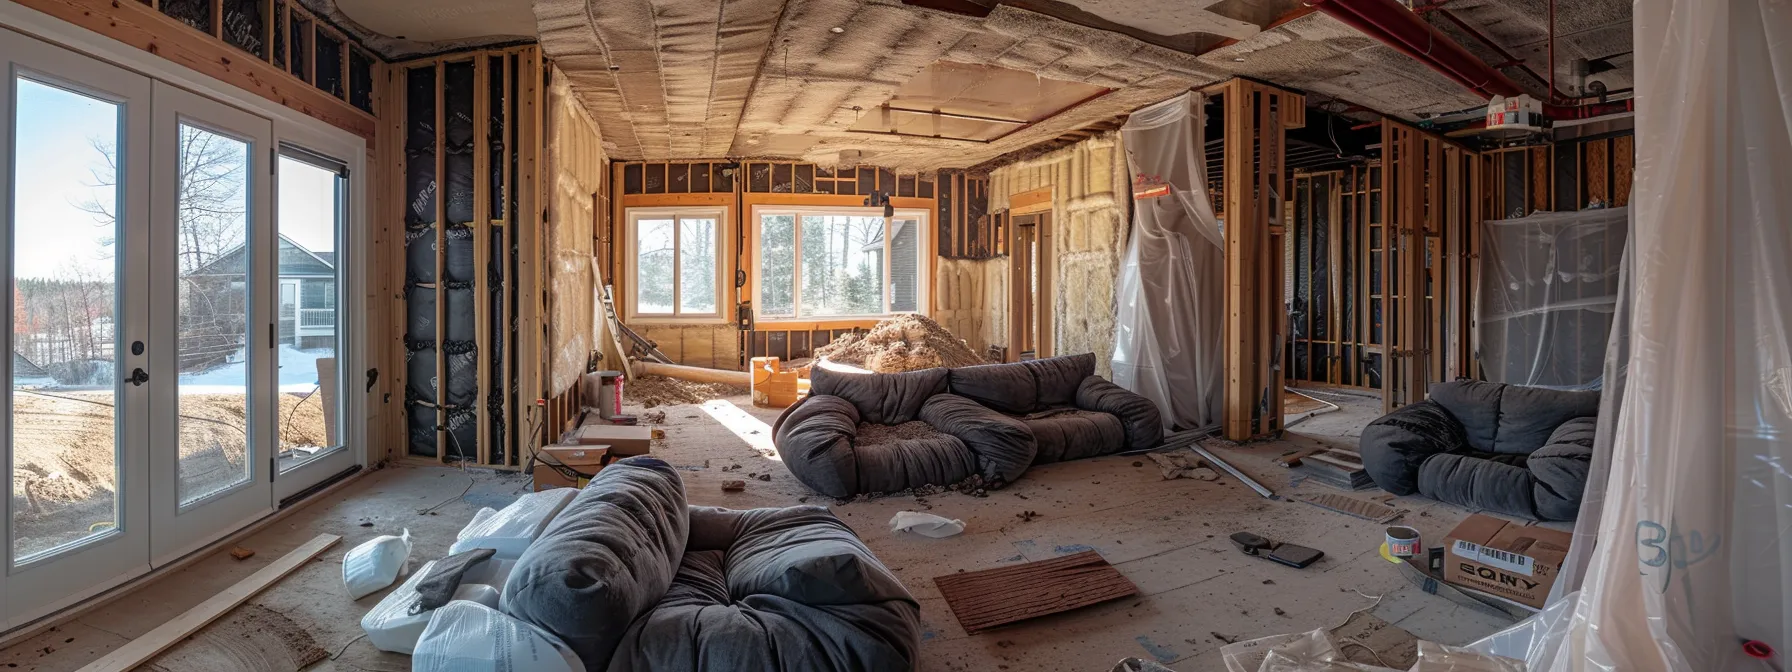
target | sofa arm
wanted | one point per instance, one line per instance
(815, 441)
(1395, 445)
(1140, 417)
(1561, 469)
(1003, 445)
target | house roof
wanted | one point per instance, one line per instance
(295, 261)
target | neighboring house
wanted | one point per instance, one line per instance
(307, 297)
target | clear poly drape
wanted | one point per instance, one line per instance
(1172, 281)
(1549, 283)
(1695, 540)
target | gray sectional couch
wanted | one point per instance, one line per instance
(1520, 451)
(631, 578)
(993, 421)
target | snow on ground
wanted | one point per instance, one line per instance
(298, 373)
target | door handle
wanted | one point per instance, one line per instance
(138, 377)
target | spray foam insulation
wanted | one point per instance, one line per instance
(1088, 229)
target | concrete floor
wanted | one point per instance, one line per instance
(1168, 537)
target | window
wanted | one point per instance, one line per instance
(312, 209)
(840, 262)
(677, 262)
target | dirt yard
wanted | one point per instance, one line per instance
(64, 457)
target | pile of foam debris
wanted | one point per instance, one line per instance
(901, 343)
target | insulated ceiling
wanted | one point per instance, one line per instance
(973, 102)
(690, 79)
(402, 29)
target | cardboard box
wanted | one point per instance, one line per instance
(548, 477)
(1512, 560)
(575, 455)
(623, 440)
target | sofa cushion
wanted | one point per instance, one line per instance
(1073, 434)
(1139, 416)
(605, 560)
(1528, 415)
(776, 589)
(896, 458)
(1561, 468)
(1057, 378)
(1009, 388)
(1395, 445)
(1484, 481)
(882, 398)
(1003, 446)
(1475, 405)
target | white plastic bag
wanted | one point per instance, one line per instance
(374, 565)
(1434, 657)
(471, 637)
(392, 625)
(925, 524)
(510, 531)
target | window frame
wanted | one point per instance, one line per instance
(923, 263)
(632, 264)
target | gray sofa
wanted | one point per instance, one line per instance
(1071, 412)
(993, 421)
(1520, 451)
(838, 441)
(631, 578)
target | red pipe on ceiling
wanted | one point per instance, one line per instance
(1398, 27)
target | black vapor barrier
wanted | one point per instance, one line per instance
(460, 382)
(495, 275)
(421, 393)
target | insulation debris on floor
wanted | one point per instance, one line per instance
(901, 343)
(651, 391)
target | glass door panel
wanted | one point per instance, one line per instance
(213, 321)
(76, 206)
(312, 209)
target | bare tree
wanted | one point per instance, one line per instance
(211, 198)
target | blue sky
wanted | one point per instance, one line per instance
(54, 143)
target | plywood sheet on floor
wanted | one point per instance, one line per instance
(996, 597)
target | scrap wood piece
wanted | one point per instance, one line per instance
(1351, 506)
(994, 597)
(172, 632)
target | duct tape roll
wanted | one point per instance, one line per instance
(1403, 541)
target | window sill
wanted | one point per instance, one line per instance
(829, 319)
(676, 321)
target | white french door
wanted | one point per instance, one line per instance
(153, 405)
(76, 200)
(212, 329)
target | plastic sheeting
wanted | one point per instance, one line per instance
(1167, 341)
(1693, 560)
(1549, 284)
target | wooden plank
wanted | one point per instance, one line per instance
(482, 253)
(166, 635)
(1028, 202)
(1240, 213)
(994, 597)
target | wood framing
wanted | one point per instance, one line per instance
(482, 252)
(1429, 209)
(144, 27)
(1255, 181)
(441, 287)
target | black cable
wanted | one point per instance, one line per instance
(114, 406)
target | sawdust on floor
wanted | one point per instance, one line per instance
(1295, 403)
(901, 343)
(651, 391)
(251, 638)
